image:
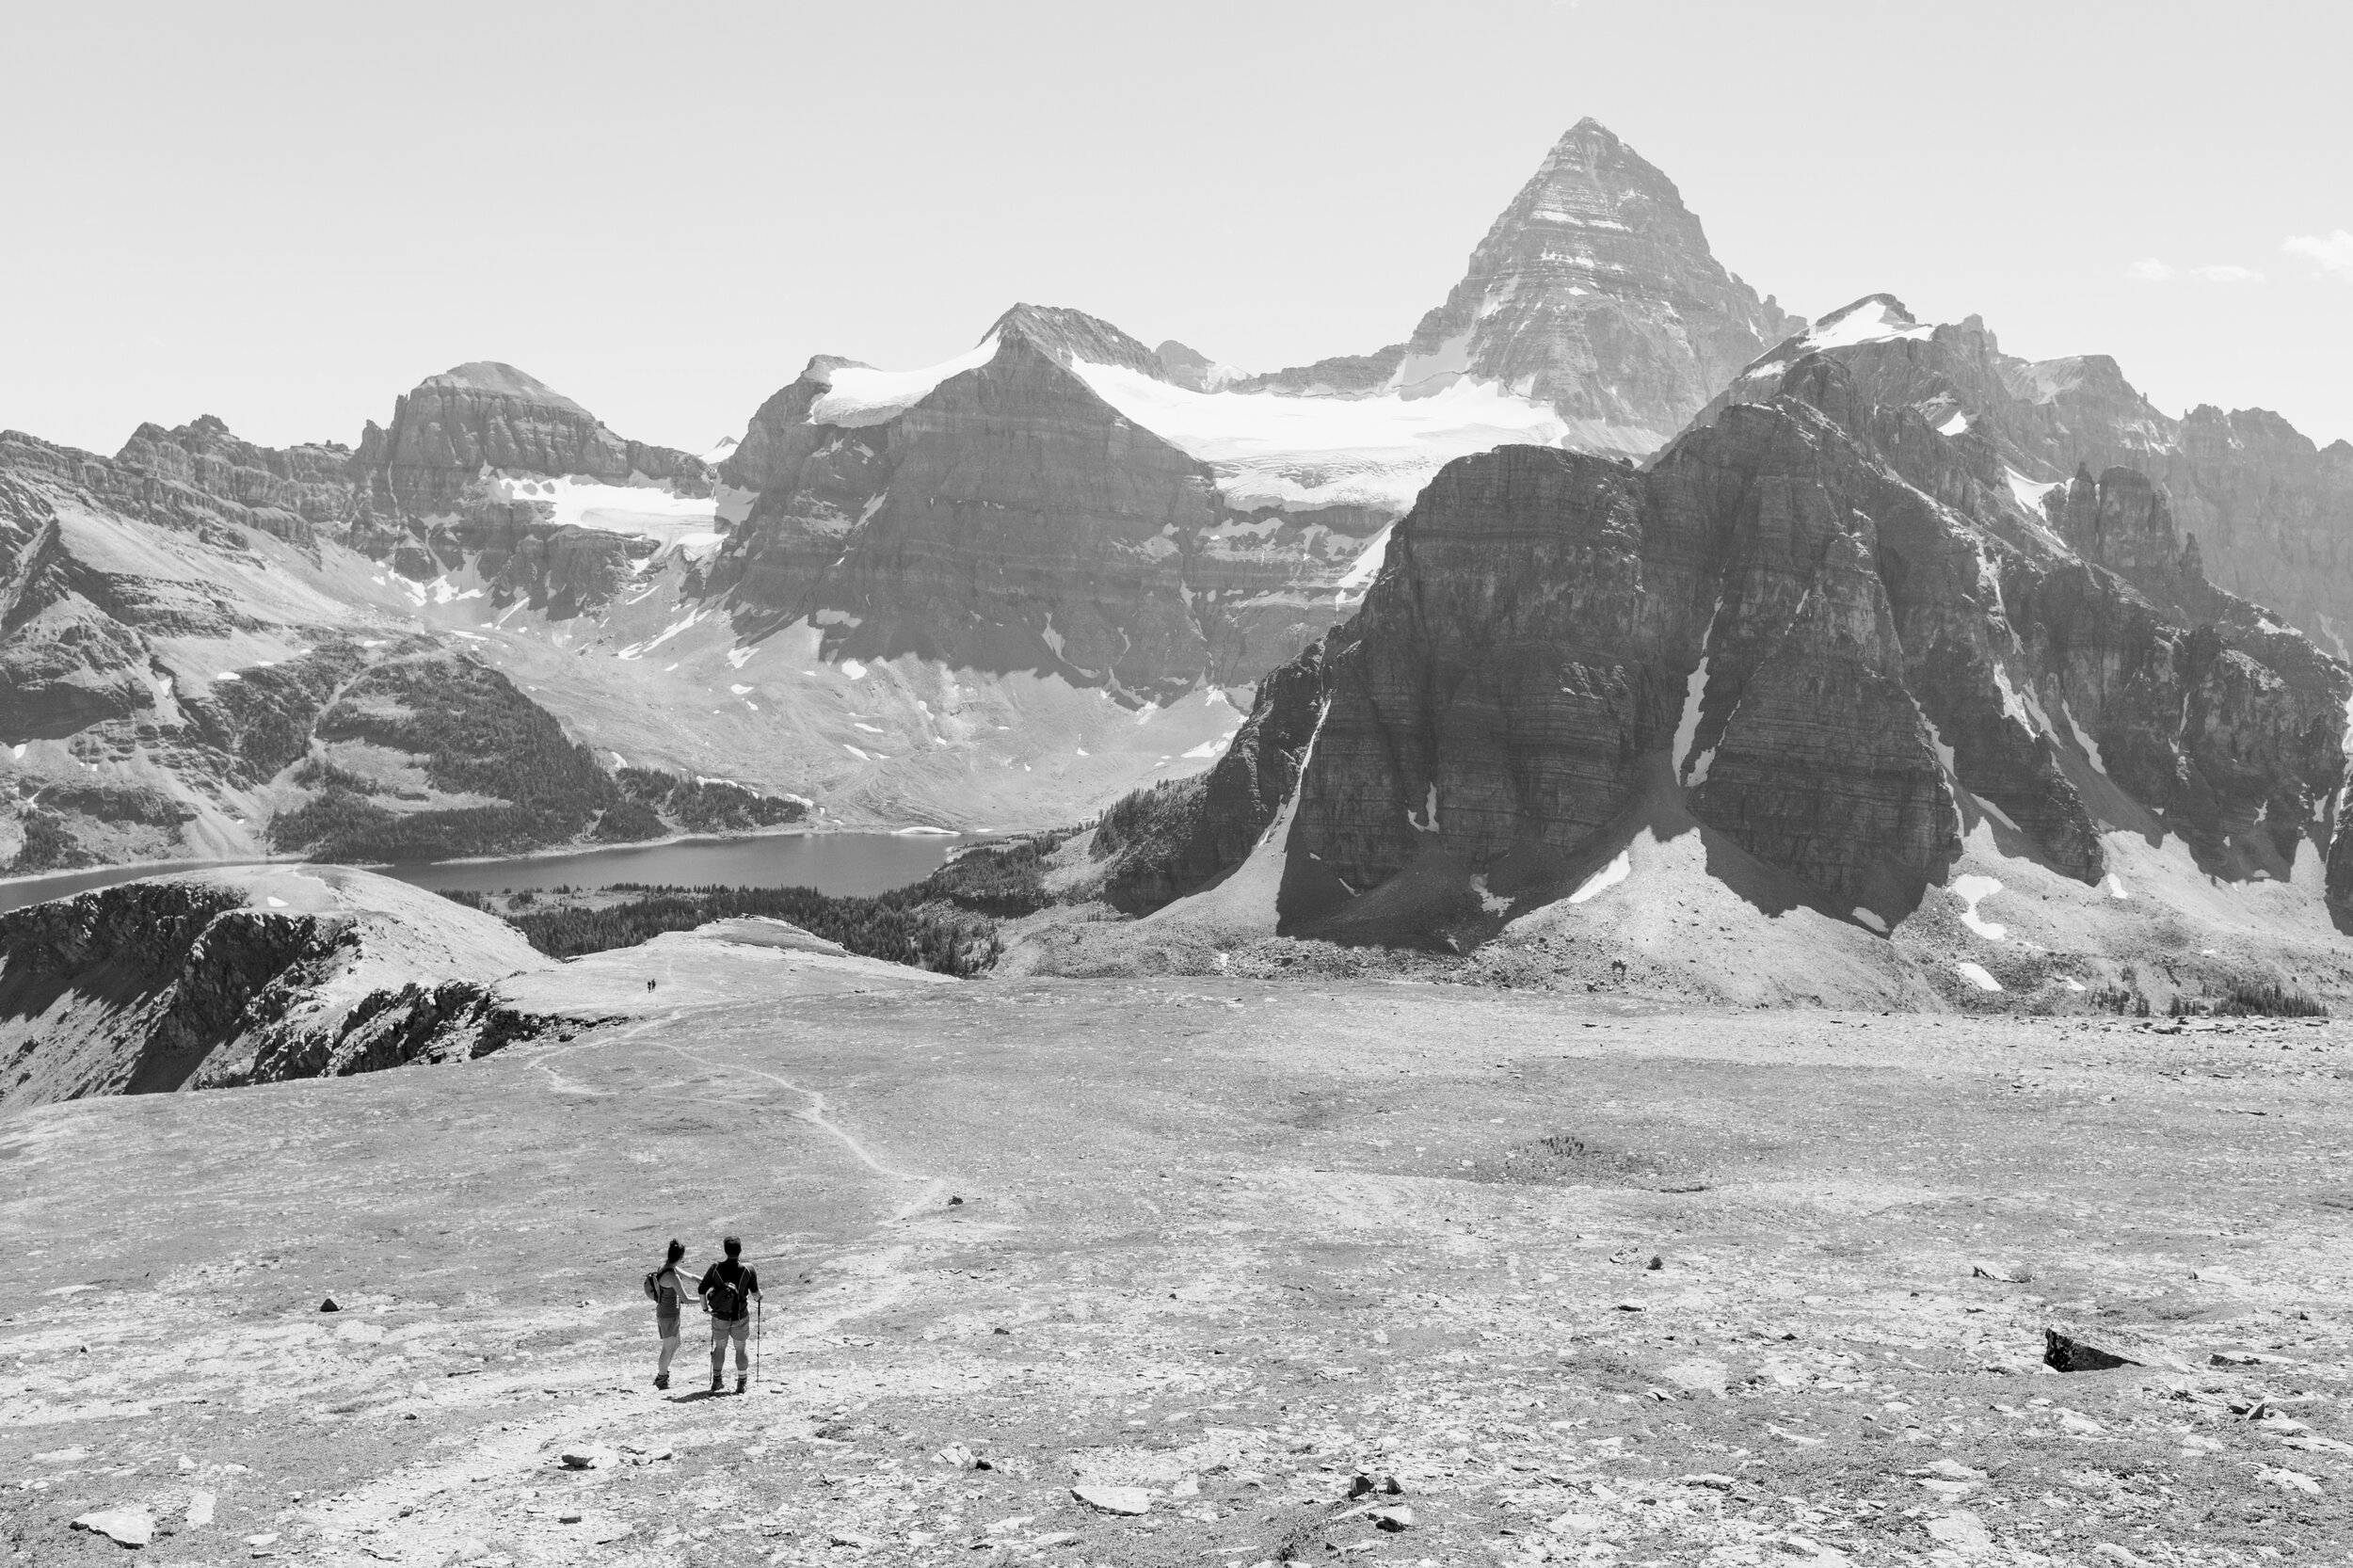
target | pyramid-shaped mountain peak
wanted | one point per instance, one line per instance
(1064, 334)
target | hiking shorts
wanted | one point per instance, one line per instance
(666, 1325)
(725, 1329)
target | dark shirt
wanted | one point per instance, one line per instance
(742, 1275)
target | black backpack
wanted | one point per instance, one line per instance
(726, 1297)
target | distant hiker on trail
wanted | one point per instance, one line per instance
(729, 1290)
(668, 1293)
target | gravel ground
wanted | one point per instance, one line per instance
(1558, 1281)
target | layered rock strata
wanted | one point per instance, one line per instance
(1007, 517)
(2271, 511)
(1834, 629)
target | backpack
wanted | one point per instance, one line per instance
(651, 1293)
(726, 1297)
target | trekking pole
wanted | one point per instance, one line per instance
(760, 1332)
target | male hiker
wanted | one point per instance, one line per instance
(729, 1289)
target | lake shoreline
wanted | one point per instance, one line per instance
(835, 860)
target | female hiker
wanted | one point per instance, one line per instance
(669, 1293)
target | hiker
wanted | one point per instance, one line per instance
(669, 1297)
(729, 1289)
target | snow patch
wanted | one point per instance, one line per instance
(1971, 890)
(858, 395)
(1430, 809)
(1975, 975)
(1492, 904)
(1955, 425)
(1608, 877)
(1866, 916)
(1358, 577)
(854, 671)
(2083, 739)
(1871, 320)
(2028, 492)
(2115, 886)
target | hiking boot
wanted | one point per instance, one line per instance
(714, 1382)
(739, 1380)
(662, 1379)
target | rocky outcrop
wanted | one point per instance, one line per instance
(1190, 368)
(488, 415)
(486, 470)
(1595, 293)
(251, 976)
(1829, 625)
(1006, 517)
(292, 492)
(2270, 511)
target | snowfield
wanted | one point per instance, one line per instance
(1297, 454)
(860, 395)
(647, 511)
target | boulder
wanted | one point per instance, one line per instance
(1115, 1500)
(131, 1527)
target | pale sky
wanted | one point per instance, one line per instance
(288, 214)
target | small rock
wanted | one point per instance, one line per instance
(2078, 1425)
(1115, 1500)
(850, 1538)
(2280, 1426)
(586, 1458)
(1359, 1485)
(1397, 1519)
(2219, 1276)
(270, 1540)
(1707, 1478)
(2286, 1481)
(1951, 1469)
(1390, 1487)
(1631, 1306)
(1656, 1262)
(1997, 1272)
(955, 1202)
(201, 1510)
(1578, 1524)
(330, 1305)
(129, 1527)
(2115, 1553)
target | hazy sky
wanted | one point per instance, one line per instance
(288, 214)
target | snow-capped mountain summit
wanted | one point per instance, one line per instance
(1594, 295)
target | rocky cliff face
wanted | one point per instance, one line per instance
(999, 513)
(1824, 626)
(250, 976)
(2271, 511)
(1594, 293)
(485, 468)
